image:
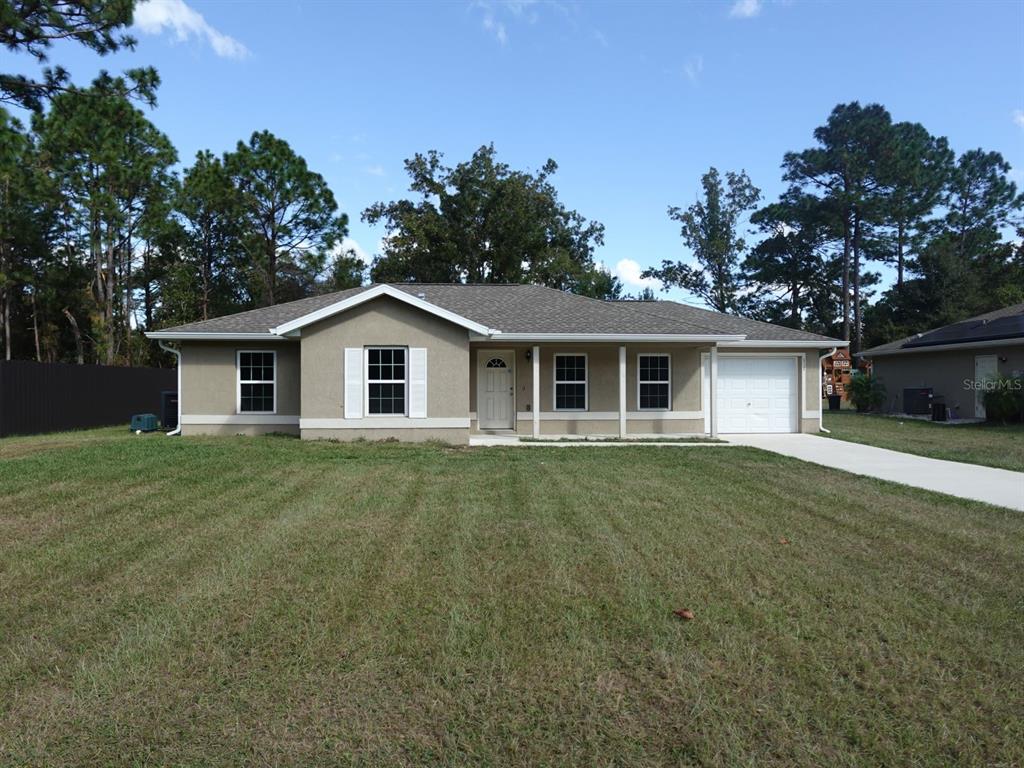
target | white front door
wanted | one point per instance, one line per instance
(985, 367)
(755, 394)
(495, 389)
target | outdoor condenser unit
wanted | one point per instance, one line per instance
(917, 401)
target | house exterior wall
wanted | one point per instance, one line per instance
(311, 381)
(385, 322)
(209, 389)
(944, 372)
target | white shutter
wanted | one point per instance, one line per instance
(353, 382)
(417, 383)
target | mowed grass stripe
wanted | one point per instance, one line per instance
(408, 605)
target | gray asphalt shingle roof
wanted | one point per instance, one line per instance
(1006, 323)
(719, 322)
(524, 309)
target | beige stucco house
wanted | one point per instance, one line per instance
(955, 362)
(440, 361)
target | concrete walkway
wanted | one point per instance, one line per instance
(968, 481)
(491, 441)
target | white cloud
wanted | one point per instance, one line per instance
(1018, 118)
(693, 68)
(745, 9)
(152, 17)
(348, 244)
(628, 271)
(492, 25)
(497, 12)
(375, 170)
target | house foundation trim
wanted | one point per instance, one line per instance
(374, 422)
(194, 419)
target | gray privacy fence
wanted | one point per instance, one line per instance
(50, 397)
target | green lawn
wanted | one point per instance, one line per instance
(987, 444)
(263, 601)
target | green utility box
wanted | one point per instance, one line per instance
(144, 422)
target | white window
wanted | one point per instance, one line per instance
(257, 390)
(385, 381)
(570, 382)
(654, 382)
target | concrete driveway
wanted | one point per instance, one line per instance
(969, 481)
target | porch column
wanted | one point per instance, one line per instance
(713, 395)
(535, 359)
(622, 390)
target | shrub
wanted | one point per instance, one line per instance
(1004, 400)
(866, 392)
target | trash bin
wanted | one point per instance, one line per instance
(834, 401)
(939, 411)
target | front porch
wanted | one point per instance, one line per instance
(653, 390)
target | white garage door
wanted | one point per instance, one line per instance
(757, 394)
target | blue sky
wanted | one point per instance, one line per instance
(634, 101)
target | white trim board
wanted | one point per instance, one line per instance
(385, 422)
(611, 415)
(762, 344)
(373, 293)
(498, 337)
(195, 419)
(200, 335)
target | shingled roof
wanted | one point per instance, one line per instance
(1000, 324)
(520, 309)
(719, 322)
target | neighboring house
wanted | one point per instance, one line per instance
(953, 361)
(439, 361)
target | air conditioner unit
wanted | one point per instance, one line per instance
(917, 401)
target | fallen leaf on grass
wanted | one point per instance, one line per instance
(783, 540)
(684, 613)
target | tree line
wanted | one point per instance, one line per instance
(103, 234)
(870, 191)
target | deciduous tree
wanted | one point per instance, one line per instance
(709, 227)
(483, 222)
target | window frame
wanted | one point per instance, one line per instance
(239, 382)
(556, 382)
(367, 381)
(667, 383)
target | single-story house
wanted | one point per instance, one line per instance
(443, 361)
(953, 362)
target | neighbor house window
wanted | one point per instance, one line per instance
(570, 382)
(385, 380)
(653, 382)
(256, 382)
